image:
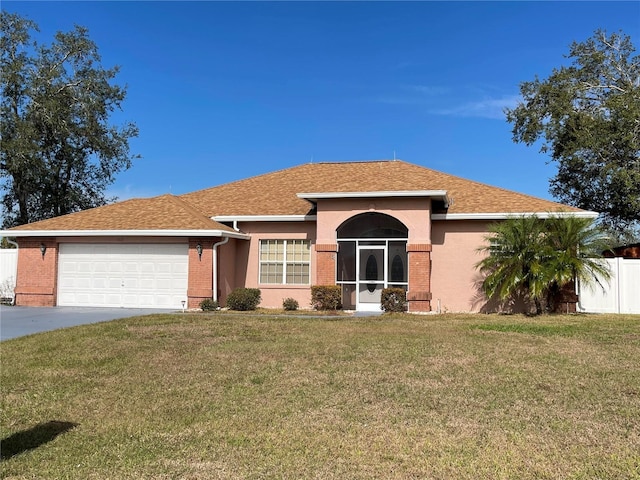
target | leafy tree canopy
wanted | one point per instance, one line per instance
(58, 150)
(534, 258)
(588, 118)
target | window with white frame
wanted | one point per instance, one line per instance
(285, 262)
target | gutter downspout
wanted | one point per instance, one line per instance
(215, 261)
(215, 267)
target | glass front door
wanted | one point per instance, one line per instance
(372, 274)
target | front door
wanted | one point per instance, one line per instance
(371, 277)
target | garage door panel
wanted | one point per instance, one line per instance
(84, 267)
(165, 268)
(100, 267)
(123, 275)
(179, 269)
(99, 283)
(168, 284)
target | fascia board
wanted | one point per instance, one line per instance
(504, 216)
(123, 233)
(378, 194)
(265, 218)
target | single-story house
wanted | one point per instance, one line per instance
(361, 225)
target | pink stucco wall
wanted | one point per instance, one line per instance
(246, 269)
(454, 278)
(231, 257)
(453, 281)
(414, 213)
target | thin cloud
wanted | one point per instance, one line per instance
(445, 101)
(492, 108)
(415, 95)
(429, 90)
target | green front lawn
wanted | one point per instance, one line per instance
(207, 396)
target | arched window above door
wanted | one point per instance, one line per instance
(372, 225)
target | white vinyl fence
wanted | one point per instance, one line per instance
(620, 295)
(8, 271)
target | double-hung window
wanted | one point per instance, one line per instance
(285, 262)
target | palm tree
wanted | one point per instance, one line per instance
(576, 246)
(535, 258)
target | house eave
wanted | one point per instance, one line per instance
(314, 197)
(506, 215)
(123, 233)
(265, 218)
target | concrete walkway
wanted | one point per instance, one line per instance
(20, 321)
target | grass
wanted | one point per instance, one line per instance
(212, 396)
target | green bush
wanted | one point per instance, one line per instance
(394, 300)
(326, 297)
(244, 299)
(208, 304)
(290, 304)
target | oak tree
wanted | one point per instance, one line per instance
(59, 152)
(587, 116)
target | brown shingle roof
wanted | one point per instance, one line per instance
(276, 193)
(165, 212)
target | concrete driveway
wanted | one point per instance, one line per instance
(20, 321)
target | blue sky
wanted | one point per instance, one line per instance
(225, 90)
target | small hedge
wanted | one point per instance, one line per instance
(326, 297)
(290, 304)
(244, 299)
(394, 300)
(208, 305)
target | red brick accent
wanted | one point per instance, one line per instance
(36, 280)
(420, 306)
(327, 247)
(415, 296)
(418, 247)
(200, 271)
(326, 264)
(419, 292)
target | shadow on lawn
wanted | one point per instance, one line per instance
(33, 438)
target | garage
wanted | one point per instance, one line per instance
(123, 275)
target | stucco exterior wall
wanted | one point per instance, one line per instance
(454, 278)
(247, 269)
(414, 213)
(226, 280)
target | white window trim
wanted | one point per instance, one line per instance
(284, 260)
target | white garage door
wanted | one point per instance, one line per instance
(123, 275)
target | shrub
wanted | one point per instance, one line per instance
(326, 297)
(243, 299)
(394, 300)
(208, 304)
(290, 304)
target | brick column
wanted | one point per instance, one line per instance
(37, 273)
(326, 264)
(566, 300)
(419, 292)
(200, 271)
